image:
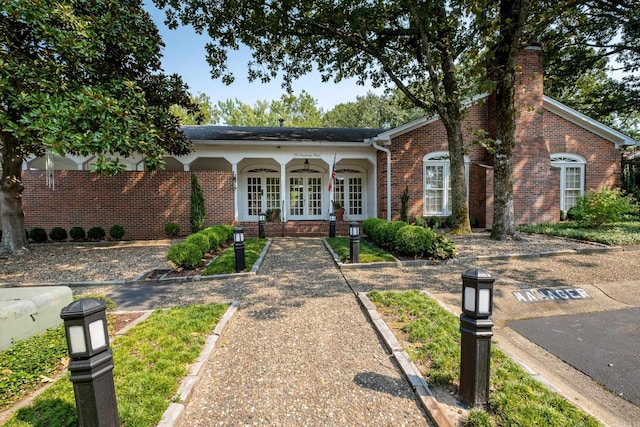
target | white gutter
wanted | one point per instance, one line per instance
(372, 141)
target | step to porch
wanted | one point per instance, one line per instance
(295, 228)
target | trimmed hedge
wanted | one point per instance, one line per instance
(58, 234)
(116, 232)
(414, 241)
(171, 229)
(38, 235)
(185, 255)
(96, 233)
(200, 240)
(77, 233)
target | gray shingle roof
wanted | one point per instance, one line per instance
(236, 133)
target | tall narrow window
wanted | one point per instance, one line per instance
(437, 184)
(571, 178)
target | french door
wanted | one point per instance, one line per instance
(263, 194)
(305, 197)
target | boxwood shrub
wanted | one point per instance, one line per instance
(369, 225)
(386, 232)
(184, 256)
(214, 238)
(414, 241)
(225, 232)
(58, 234)
(116, 232)
(38, 235)
(77, 233)
(200, 240)
(171, 229)
(96, 233)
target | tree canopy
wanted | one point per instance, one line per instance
(84, 78)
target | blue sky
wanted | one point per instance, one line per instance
(184, 54)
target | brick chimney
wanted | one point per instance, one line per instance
(533, 175)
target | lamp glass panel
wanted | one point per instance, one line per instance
(484, 301)
(96, 332)
(469, 299)
(76, 339)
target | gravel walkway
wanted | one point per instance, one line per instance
(301, 352)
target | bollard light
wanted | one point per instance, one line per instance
(476, 332)
(354, 229)
(91, 362)
(261, 218)
(354, 242)
(477, 293)
(238, 245)
(332, 224)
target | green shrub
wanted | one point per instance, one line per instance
(448, 221)
(443, 248)
(58, 234)
(77, 233)
(96, 233)
(200, 240)
(214, 238)
(116, 232)
(171, 229)
(38, 235)
(386, 232)
(369, 225)
(198, 216)
(414, 241)
(421, 222)
(184, 256)
(435, 222)
(600, 207)
(225, 232)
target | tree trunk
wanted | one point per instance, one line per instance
(14, 240)
(513, 14)
(459, 209)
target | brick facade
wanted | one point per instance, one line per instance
(539, 134)
(142, 202)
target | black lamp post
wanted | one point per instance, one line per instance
(261, 218)
(476, 330)
(238, 245)
(354, 242)
(91, 363)
(332, 224)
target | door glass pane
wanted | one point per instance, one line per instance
(296, 196)
(273, 192)
(254, 195)
(355, 196)
(314, 196)
(338, 192)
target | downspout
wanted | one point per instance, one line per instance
(372, 141)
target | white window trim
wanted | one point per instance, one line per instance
(441, 158)
(562, 161)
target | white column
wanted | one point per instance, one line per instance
(236, 182)
(284, 189)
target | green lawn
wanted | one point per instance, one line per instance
(368, 252)
(225, 262)
(516, 399)
(149, 364)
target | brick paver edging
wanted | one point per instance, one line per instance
(188, 384)
(408, 368)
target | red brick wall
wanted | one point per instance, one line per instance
(407, 153)
(142, 202)
(603, 160)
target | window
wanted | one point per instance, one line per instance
(437, 185)
(571, 178)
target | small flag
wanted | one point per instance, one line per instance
(333, 174)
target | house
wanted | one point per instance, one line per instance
(559, 154)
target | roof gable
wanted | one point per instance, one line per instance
(585, 122)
